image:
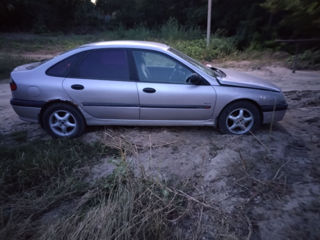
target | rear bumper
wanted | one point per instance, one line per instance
(26, 109)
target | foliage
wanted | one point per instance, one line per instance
(295, 18)
(247, 21)
(47, 15)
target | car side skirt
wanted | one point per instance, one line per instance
(124, 122)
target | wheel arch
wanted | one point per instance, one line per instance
(241, 100)
(54, 101)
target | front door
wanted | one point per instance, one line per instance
(164, 93)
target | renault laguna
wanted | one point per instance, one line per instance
(139, 83)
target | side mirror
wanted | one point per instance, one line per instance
(195, 79)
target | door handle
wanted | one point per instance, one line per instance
(77, 86)
(149, 90)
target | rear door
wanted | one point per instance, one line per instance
(164, 93)
(101, 84)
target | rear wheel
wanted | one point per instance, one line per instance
(63, 121)
(239, 118)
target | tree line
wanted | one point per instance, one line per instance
(247, 19)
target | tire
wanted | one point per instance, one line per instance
(239, 118)
(62, 120)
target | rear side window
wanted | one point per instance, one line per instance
(62, 68)
(104, 64)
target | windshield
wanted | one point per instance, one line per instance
(210, 71)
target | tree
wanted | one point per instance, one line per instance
(295, 18)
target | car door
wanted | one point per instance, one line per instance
(164, 93)
(100, 83)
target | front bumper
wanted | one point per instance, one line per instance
(269, 117)
(274, 113)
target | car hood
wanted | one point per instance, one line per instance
(237, 79)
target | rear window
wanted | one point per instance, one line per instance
(104, 64)
(62, 68)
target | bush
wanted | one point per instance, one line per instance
(309, 59)
(171, 30)
(218, 48)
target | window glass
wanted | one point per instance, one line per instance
(62, 68)
(159, 68)
(106, 64)
(210, 71)
(158, 60)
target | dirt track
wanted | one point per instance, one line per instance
(272, 179)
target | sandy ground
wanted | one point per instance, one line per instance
(267, 184)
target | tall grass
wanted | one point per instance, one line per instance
(126, 207)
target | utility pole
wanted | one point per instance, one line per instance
(209, 22)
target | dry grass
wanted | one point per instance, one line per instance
(45, 195)
(127, 208)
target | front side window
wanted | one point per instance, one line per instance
(159, 68)
(103, 64)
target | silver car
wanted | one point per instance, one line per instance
(139, 83)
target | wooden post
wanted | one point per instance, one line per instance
(209, 22)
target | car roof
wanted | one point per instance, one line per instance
(139, 44)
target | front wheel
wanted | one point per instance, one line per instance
(63, 121)
(239, 118)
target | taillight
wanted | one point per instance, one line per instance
(13, 85)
